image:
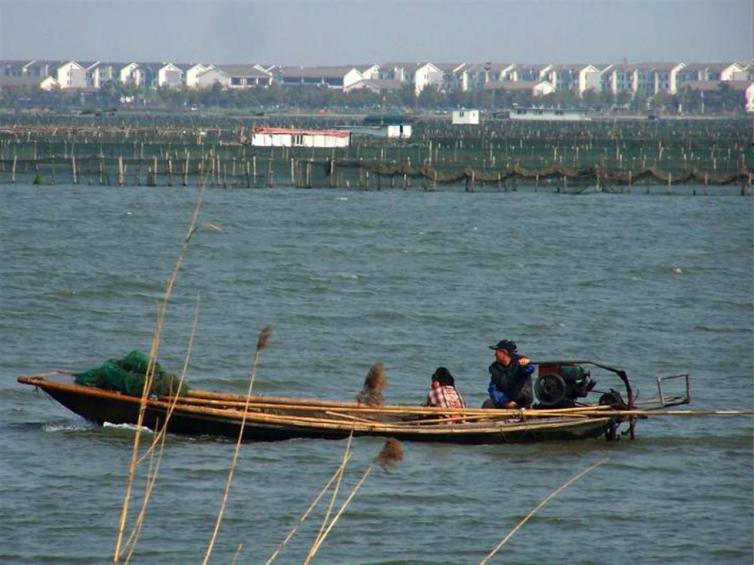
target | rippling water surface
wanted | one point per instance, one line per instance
(654, 284)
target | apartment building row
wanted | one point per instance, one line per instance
(539, 80)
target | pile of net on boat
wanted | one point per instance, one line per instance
(127, 376)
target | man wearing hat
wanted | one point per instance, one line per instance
(510, 378)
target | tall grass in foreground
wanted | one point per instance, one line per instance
(390, 455)
(159, 441)
(337, 475)
(153, 352)
(544, 501)
(262, 343)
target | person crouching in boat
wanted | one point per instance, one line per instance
(443, 393)
(510, 378)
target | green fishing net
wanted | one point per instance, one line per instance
(127, 375)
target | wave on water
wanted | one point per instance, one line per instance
(68, 427)
(721, 329)
(129, 427)
(350, 276)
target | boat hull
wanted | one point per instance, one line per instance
(104, 406)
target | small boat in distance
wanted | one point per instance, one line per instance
(557, 416)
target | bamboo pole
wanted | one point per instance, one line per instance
(462, 413)
(199, 396)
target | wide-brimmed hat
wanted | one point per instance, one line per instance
(506, 344)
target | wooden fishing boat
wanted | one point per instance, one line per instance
(272, 418)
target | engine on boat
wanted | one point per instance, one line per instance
(559, 385)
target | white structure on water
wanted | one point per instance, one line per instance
(465, 117)
(548, 115)
(281, 137)
(535, 88)
(387, 131)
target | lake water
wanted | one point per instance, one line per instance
(653, 284)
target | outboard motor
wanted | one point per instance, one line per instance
(559, 385)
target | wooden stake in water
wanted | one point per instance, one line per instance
(254, 168)
(121, 172)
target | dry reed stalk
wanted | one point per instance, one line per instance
(335, 491)
(336, 475)
(153, 351)
(390, 455)
(159, 439)
(374, 385)
(544, 501)
(262, 342)
(174, 399)
(238, 552)
(153, 471)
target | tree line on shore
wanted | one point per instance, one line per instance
(725, 100)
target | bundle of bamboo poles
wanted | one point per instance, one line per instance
(296, 409)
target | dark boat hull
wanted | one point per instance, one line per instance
(104, 406)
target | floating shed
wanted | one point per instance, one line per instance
(548, 115)
(388, 131)
(281, 137)
(465, 117)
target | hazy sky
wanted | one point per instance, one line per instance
(355, 31)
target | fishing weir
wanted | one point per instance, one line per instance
(685, 157)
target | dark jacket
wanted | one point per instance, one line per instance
(513, 381)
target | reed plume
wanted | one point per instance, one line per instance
(374, 384)
(264, 338)
(390, 455)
